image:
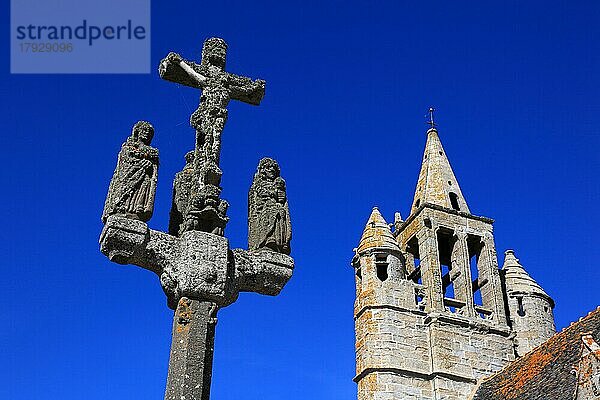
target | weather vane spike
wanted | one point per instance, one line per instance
(431, 122)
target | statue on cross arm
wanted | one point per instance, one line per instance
(133, 185)
(269, 223)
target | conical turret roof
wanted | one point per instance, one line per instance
(377, 234)
(437, 183)
(517, 279)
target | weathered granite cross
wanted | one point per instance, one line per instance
(198, 271)
(218, 88)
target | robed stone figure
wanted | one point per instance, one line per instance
(133, 185)
(269, 223)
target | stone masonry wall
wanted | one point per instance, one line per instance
(392, 386)
(391, 339)
(403, 354)
(468, 352)
(407, 349)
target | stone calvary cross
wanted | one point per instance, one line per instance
(198, 271)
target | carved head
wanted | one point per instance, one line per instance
(143, 131)
(268, 169)
(214, 52)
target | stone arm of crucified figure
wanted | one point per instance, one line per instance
(174, 68)
(245, 89)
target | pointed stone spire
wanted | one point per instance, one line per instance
(377, 234)
(529, 306)
(437, 183)
(518, 280)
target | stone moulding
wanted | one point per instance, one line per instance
(439, 208)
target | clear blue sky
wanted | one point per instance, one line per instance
(516, 89)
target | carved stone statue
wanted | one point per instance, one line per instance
(269, 223)
(196, 205)
(133, 185)
(198, 271)
(206, 211)
(182, 188)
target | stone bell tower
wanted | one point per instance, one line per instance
(430, 315)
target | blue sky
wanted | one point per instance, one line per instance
(348, 85)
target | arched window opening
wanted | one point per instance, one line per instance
(478, 276)
(413, 261)
(477, 283)
(417, 203)
(381, 264)
(520, 309)
(449, 273)
(454, 201)
(413, 265)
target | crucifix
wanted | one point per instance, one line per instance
(218, 88)
(197, 270)
(205, 212)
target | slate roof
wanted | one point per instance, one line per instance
(546, 372)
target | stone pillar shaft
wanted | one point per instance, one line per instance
(463, 286)
(192, 348)
(491, 293)
(430, 270)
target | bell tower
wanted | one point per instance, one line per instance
(450, 249)
(440, 324)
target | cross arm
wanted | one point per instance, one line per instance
(129, 241)
(174, 68)
(262, 271)
(245, 89)
(197, 265)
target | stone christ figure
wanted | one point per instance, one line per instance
(133, 185)
(269, 223)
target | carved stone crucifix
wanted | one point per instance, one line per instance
(218, 88)
(198, 271)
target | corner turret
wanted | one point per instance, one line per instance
(378, 255)
(386, 301)
(529, 306)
